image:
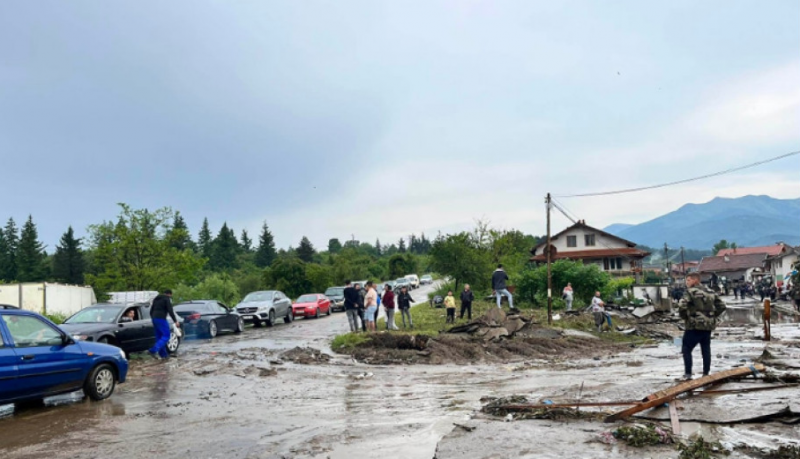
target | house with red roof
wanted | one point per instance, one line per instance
(734, 266)
(580, 241)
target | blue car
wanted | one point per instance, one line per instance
(38, 359)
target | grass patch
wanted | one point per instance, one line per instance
(56, 317)
(348, 341)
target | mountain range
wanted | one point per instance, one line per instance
(748, 221)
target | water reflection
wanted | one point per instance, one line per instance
(754, 315)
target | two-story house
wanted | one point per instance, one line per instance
(582, 242)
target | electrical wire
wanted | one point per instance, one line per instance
(678, 182)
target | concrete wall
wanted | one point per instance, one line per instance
(45, 297)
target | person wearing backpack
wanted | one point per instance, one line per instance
(700, 308)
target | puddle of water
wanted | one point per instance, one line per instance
(754, 315)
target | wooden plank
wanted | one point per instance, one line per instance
(673, 418)
(568, 405)
(743, 389)
(661, 397)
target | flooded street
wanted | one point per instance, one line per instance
(243, 396)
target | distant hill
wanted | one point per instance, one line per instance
(748, 221)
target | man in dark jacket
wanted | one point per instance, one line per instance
(499, 279)
(161, 308)
(404, 302)
(351, 299)
(467, 297)
(362, 293)
(388, 305)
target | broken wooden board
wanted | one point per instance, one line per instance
(664, 396)
(568, 405)
(673, 418)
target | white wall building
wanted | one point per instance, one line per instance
(44, 297)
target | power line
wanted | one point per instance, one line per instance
(678, 182)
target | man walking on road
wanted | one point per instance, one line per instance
(700, 307)
(161, 308)
(351, 306)
(499, 279)
(467, 297)
(404, 301)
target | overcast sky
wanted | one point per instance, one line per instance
(379, 119)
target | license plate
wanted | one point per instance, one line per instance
(249, 317)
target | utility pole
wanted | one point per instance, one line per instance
(683, 264)
(666, 263)
(549, 273)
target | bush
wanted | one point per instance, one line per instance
(218, 287)
(531, 283)
(56, 317)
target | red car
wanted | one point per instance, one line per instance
(312, 305)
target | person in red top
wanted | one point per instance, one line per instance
(388, 305)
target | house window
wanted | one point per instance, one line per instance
(572, 241)
(619, 263)
(589, 240)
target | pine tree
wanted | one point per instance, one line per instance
(378, 250)
(30, 254)
(68, 265)
(8, 268)
(305, 251)
(224, 250)
(401, 245)
(5, 257)
(204, 240)
(179, 235)
(247, 243)
(265, 254)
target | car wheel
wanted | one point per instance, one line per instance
(212, 329)
(329, 311)
(100, 383)
(173, 344)
(289, 317)
(271, 320)
(239, 325)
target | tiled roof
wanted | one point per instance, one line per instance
(733, 263)
(627, 252)
(770, 250)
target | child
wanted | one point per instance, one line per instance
(450, 304)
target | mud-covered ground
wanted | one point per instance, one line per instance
(281, 392)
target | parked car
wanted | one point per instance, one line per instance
(336, 295)
(38, 359)
(208, 317)
(437, 301)
(413, 280)
(265, 307)
(426, 279)
(312, 305)
(400, 283)
(109, 324)
(391, 284)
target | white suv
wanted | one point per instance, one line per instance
(413, 279)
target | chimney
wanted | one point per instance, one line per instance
(727, 258)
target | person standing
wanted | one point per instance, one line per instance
(388, 306)
(467, 297)
(404, 302)
(699, 308)
(161, 308)
(598, 311)
(362, 292)
(568, 295)
(499, 279)
(351, 299)
(450, 306)
(371, 305)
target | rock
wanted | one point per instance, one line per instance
(207, 370)
(495, 316)
(265, 372)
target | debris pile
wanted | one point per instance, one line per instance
(305, 356)
(640, 435)
(495, 325)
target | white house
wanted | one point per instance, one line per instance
(782, 265)
(591, 245)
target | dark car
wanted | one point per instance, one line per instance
(37, 360)
(128, 327)
(336, 295)
(208, 317)
(265, 308)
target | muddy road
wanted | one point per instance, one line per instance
(247, 396)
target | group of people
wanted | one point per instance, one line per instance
(362, 305)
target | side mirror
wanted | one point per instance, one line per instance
(66, 340)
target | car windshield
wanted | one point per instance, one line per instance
(258, 296)
(307, 299)
(95, 315)
(334, 291)
(427, 277)
(186, 307)
(401, 281)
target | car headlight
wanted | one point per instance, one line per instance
(80, 337)
(122, 355)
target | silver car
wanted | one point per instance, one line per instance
(265, 308)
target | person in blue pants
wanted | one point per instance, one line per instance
(161, 308)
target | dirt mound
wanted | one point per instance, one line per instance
(387, 348)
(305, 356)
